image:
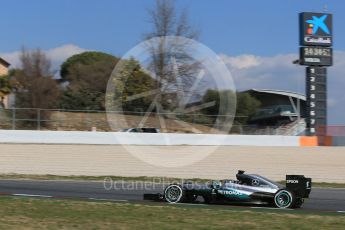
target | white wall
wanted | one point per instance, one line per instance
(114, 138)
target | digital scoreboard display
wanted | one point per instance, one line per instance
(316, 56)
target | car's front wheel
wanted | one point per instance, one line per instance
(174, 194)
(284, 198)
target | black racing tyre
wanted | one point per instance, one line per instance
(299, 202)
(207, 199)
(174, 193)
(191, 198)
(284, 198)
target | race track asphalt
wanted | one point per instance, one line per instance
(321, 199)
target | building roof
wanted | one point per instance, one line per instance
(280, 92)
(5, 63)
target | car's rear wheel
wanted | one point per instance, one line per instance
(284, 198)
(174, 194)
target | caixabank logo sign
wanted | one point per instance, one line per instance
(316, 29)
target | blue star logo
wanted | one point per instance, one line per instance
(319, 23)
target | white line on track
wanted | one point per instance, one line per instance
(107, 199)
(341, 211)
(31, 195)
(289, 209)
(188, 204)
(329, 188)
(46, 196)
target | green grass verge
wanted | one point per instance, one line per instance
(141, 179)
(25, 213)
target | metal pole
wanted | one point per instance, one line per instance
(14, 118)
(38, 119)
(299, 109)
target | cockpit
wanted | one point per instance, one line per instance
(255, 180)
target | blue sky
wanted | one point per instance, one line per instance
(257, 39)
(265, 27)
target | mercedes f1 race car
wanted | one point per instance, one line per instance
(248, 188)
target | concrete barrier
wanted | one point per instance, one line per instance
(154, 139)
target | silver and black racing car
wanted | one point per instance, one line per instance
(248, 188)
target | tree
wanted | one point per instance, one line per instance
(35, 84)
(213, 95)
(81, 99)
(172, 65)
(86, 76)
(246, 107)
(246, 104)
(92, 58)
(209, 96)
(127, 83)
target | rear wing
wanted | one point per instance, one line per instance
(299, 184)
